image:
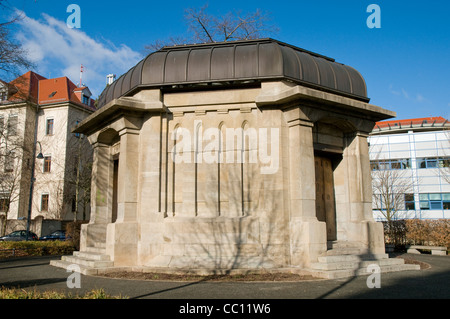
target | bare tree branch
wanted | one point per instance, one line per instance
(200, 23)
(14, 152)
(390, 186)
(13, 57)
(206, 28)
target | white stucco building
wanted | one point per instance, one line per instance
(36, 118)
(418, 151)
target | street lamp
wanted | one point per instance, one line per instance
(30, 203)
(40, 156)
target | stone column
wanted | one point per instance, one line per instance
(153, 164)
(101, 197)
(100, 185)
(360, 225)
(128, 175)
(360, 186)
(123, 235)
(308, 235)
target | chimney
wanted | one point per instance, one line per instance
(110, 78)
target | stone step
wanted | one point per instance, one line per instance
(82, 269)
(91, 255)
(351, 258)
(88, 262)
(356, 264)
(346, 273)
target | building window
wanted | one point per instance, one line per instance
(4, 203)
(74, 203)
(409, 202)
(433, 162)
(85, 100)
(49, 127)
(44, 202)
(77, 135)
(9, 162)
(393, 164)
(434, 201)
(47, 164)
(446, 200)
(444, 162)
(12, 125)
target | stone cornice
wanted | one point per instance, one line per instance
(290, 94)
(121, 105)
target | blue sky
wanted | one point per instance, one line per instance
(405, 62)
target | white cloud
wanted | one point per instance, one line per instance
(405, 94)
(418, 97)
(58, 50)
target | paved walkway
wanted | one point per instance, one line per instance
(432, 283)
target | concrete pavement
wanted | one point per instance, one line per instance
(432, 283)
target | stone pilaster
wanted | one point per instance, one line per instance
(123, 235)
(308, 235)
(355, 218)
(101, 197)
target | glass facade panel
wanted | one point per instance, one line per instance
(424, 205)
(435, 204)
(435, 196)
(433, 162)
(435, 201)
(404, 163)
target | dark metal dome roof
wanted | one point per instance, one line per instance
(236, 63)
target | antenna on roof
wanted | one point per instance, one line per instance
(81, 75)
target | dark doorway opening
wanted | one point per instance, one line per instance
(325, 199)
(115, 190)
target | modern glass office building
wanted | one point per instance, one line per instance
(413, 156)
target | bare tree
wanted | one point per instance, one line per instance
(391, 189)
(13, 153)
(206, 28)
(13, 57)
(78, 176)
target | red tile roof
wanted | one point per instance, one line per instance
(408, 122)
(60, 90)
(26, 87)
(46, 91)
